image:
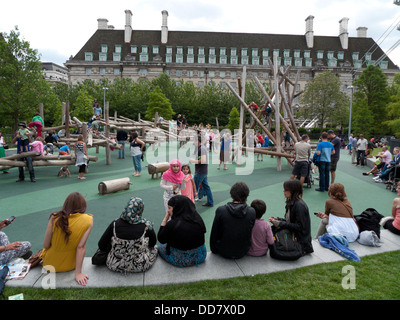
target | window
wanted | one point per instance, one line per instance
(234, 60)
(102, 71)
(355, 55)
(265, 53)
(275, 53)
(118, 48)
(169, 50)
(179, 50)
(357, 64)
(233, 74)
(179, 58)
(320, 54)
(168, 58)
(265, 61)
(296, 53)
(143, 57)
(383, 65)
(245, 60)
(222, 74)
(156, 50)
(190, 50)
(143, 72)
(233, 51)
(223, 59)
(104, 48)
(288, 61)
(190, 58)
(307, 54)
(212, 59)
(200, 74)
(145, 49)
(211, 51)
(133, 49)
(222, 51)
(286, 53)
(330, 55)
(211, 74)
(255, 61)
(298, 62)
(254, 52)
(244, 52)
(117, 71)
(332, 63)
(190, 73)
(308, 62)
(102, 56)
(201, 51)
(116, 57)
(88, 56)
(179, 73)
(368, 56)
(340, 55)
(88, 71)
(201, 59)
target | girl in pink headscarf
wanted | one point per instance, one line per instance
(171, 181)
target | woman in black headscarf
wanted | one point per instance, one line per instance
(181, 234)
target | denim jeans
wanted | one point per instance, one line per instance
(29, 164)
(136, 163)
(324, 175)
(121, 152)
(201, 179)
(360, 157)
(386, 172)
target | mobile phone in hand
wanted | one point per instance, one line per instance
(9, 220)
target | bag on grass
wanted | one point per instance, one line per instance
(286, 246)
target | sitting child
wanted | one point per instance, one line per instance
(261, 234)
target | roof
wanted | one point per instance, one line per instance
(216, 40)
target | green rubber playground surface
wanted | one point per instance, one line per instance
(32, 203)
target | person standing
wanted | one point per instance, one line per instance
(136, 146)
(302, 150)
(324, 150)
(29, 163)
(81, 157)
(362, 145)
(335, 140)
(121, 138)
(354, 150)
(201, 171)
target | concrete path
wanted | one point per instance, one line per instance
(215, 267)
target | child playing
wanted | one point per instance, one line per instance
(37, 145)
(171, 181)
(261, 235)
(64, 172)
(24, 135)
(188, 186)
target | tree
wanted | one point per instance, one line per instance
(82, 108)
(22, 86)
(234, 119)
(159, 103)
(393, 108)
(323, 99)
(371, 98)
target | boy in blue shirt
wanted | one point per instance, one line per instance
(324, 150)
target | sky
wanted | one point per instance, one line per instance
(58, 30)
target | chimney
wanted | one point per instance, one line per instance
(128, 26)
(102, 24)
(343, 34)
(164, 27)
(362, 32)
(310, 31)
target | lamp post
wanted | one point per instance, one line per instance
(104, 101)
(351, 105)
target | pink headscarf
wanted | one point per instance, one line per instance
(171, 176)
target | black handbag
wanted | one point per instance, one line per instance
(286, 246)
(99, 258)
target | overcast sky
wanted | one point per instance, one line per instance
(60, 29)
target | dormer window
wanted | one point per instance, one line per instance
(104, 48)
(355, 55)
(134, 49)
(340, 55)
(88, 56)
(320, 54)
(118, 48)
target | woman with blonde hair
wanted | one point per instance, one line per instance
(66, 235)
(338, 217)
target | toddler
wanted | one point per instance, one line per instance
(188, 187)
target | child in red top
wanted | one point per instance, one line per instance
(190, 189)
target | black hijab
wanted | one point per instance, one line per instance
(185, 209)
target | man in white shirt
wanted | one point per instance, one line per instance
(302, 150)
(362, 145)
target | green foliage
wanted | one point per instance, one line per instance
(82, 108)
(234, 120)
(323, 99)
(371, 98)
(160, 104)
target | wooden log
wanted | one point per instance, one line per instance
(115, 185)
(156, 168)
(21, 155)
(107, 132)
(268, 152)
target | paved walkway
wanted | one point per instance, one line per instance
(214, 267)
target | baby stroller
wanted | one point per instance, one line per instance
(309, 180)
(395, 178)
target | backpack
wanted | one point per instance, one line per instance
(286, 246)
(3, 276)
(369, 220)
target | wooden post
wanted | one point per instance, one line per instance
(107, 132)
(277, 117)
(67, 120)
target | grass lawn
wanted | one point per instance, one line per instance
(376, 278)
